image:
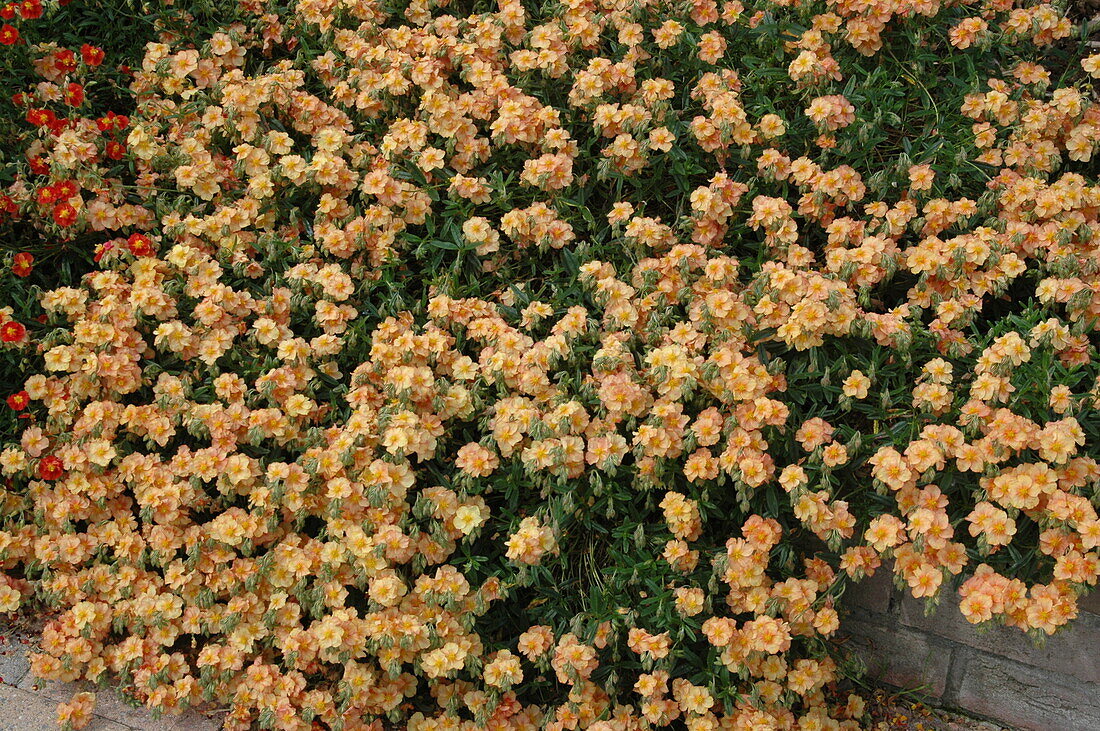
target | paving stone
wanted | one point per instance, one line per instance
(902, 657)
(14, 665)
(113, 706)
(21, 710)
(185, 722)
(974, 725)
(51, 688)
(1025, 697)
(1071, 651)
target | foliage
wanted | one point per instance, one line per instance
(443, 364)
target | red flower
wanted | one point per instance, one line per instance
(115, 150)
(9, 35)
(19, 401)
(50, 468)
(101, 250)
(64, 214)
(92, 55)
(64, 60)
(112, 121)
(140, 245)
(47, 195)
(7, 12)
(12, 332)
(41, 117)
(30, 9)
(66, 189)
(74, 94)
(39, 166)
(22, 264)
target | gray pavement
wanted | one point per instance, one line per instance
(30, 704)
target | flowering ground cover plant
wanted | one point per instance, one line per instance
(472, 364)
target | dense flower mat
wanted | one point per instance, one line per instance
(442, 365)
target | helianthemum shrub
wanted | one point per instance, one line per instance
(462, 365)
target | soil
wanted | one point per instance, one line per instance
(901, 711)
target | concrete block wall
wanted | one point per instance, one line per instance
(994, 672)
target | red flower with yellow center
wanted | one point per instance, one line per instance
(47, 195)
(74, 95)
(92, 55)
(41, 117)
(102, 250)
(30, 9)
(112, 121)
(64, 214)
(64, 60)
(66, 189)
(12, 331)
(9, 35)
(22, 264)
(19, 401)
(140, 245)
(50, 468)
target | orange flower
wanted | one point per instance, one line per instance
(22, 264)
